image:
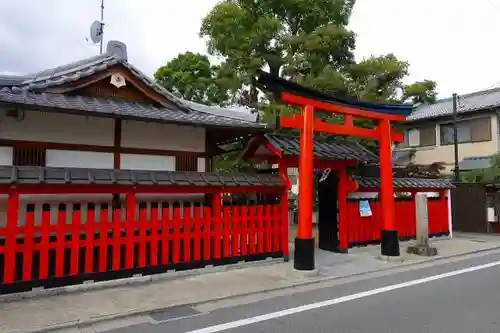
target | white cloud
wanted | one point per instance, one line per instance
(452, 42)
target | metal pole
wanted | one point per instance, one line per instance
(455, 137)
(102, 25)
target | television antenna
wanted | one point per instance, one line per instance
(97, 29)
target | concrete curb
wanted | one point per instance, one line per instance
(139, 312)
(136, 280)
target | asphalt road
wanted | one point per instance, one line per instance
(462, 297)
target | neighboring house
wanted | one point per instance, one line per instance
(429, 133)
(102, 112)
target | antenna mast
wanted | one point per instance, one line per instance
(102, 24)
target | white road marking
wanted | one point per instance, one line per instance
(312, 306)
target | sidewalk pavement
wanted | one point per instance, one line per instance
(92, 306)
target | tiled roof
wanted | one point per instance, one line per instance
(114, 55)
(269, 82)
(476, 162)
(402, 157)
(75, 176)
(329, 149)
(481, 100)
(87, 105)
(367, 182)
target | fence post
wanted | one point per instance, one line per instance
(422, 216)
(422, 246)
(450, 215)
(10, 236)
(129, 229)
(414, 204)
(284, 224)
(284, 210)
(342, 202)
(443, 210)
(216, 214)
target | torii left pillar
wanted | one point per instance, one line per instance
(389, 233)
(304, 242)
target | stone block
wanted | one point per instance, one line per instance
(422, 250)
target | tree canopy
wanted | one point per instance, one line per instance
(306, 41)
(192, 77)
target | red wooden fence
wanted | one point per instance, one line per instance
(366, 230)
(68, 243)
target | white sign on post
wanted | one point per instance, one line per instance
(364, 208)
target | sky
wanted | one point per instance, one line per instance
(454, 42)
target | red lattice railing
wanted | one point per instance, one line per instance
(366, 229)
(61, 240)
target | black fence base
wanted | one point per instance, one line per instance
(24, 286)
(304, 254)
(390, 243)
(401, 239)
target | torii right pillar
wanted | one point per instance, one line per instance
(389, 232)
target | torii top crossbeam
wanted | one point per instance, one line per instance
(309, 100)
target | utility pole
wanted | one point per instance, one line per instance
(455, 137)
(102, 25)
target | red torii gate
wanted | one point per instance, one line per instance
(308, 100)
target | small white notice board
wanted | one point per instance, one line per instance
(364, 208)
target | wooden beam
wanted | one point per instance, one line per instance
(335, 108)
(293, 162)
(97, 149)
(296, 121)
(117, 140)
(129, 76)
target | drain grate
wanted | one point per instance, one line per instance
(174, 313)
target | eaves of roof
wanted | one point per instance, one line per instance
(116, 108)
(38, 82)
(485, 100)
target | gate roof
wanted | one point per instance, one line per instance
(326, 149)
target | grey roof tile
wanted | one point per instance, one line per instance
(477, 101)
(330, 149)
(402, 157)
(87, 105)
(64, 74)
(368, 182)
(10, 80)
(48, 175)
(476, 162)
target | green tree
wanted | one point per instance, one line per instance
(421, 92)
(192, 77)
(306, 41)
(488, 175)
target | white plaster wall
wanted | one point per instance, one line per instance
(147, 162)
(62, 128)
(137, 134)
(6, 155)
(201, 164)
(79, 159)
